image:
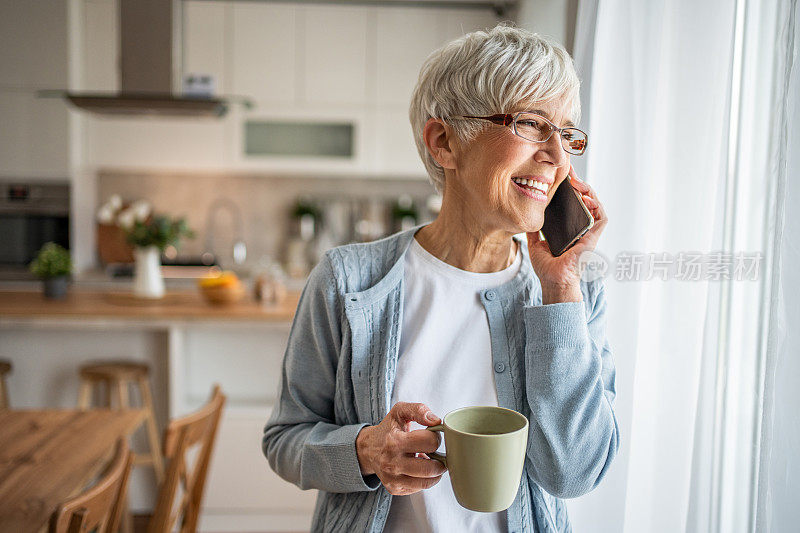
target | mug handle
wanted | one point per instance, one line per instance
(442, 458)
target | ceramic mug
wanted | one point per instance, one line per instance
(485, 455)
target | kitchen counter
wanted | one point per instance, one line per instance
(100, 279)
(177, 305)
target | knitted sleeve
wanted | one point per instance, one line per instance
(574, 435)
(302, 441)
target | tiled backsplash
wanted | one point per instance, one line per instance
(266, 203)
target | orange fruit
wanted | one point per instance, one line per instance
(226, 278)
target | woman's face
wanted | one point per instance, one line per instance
(489, 168)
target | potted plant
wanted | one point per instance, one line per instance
(150, 235)
(53, 265)
(404, 213)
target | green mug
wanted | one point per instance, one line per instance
(485, 455)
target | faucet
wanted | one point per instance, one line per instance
(239, 247)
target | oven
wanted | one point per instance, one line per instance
(31, 214)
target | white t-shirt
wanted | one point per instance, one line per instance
(445, 362)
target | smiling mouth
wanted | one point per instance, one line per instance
(532, 185)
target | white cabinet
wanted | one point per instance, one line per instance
(407, 36)
(357, 116)
(33, 135)
(243, 492)
(162, 143)
(33, 44)
(264, 52)
(398, 57)
(395, 153)
(33, 56)
(204, 41)
(100, 46)
(249, 48)
(334, 58)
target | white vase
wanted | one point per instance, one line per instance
(147, 279)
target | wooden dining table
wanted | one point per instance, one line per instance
(47, 456)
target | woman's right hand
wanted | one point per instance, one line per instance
(390, 450)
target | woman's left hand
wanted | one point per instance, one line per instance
(559, 276)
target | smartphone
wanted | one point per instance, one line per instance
(566, 219)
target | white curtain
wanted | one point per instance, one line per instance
(682, 154)
(779, 475)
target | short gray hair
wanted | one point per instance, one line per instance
(488, 72)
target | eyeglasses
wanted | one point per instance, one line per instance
(536, 128)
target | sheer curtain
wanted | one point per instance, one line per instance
(779, 474)
(682, 125)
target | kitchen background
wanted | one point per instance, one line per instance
(334, 78)
(315, 149)
(297, 63)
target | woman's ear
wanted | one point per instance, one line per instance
(438, 138)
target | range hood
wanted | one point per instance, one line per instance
(150, 68)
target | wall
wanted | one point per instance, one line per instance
(264, 200)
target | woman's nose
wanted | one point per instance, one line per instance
(552, 152)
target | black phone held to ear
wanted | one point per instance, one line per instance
(566, 219)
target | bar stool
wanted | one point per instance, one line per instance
(118, 376)
(5, 368)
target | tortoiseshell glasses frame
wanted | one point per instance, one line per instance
(536, 128)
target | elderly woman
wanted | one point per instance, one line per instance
(458, 312)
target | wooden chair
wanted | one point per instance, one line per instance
(118, 377)
(5, 368)
(100, 506)
(196, 429)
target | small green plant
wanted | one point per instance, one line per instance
(160, 231)
(404, 207)
(51, 261)
(305, 207)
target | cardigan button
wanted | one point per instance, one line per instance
(499, 367)
(491, 295)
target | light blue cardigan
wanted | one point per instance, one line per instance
(552, 363)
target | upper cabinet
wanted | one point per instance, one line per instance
(34, 140)
(263, 52)
(334, 54)
(33, 44)
(345, 67)
(33, 56)
(100, 46)
(204, 41)
(398, 57)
